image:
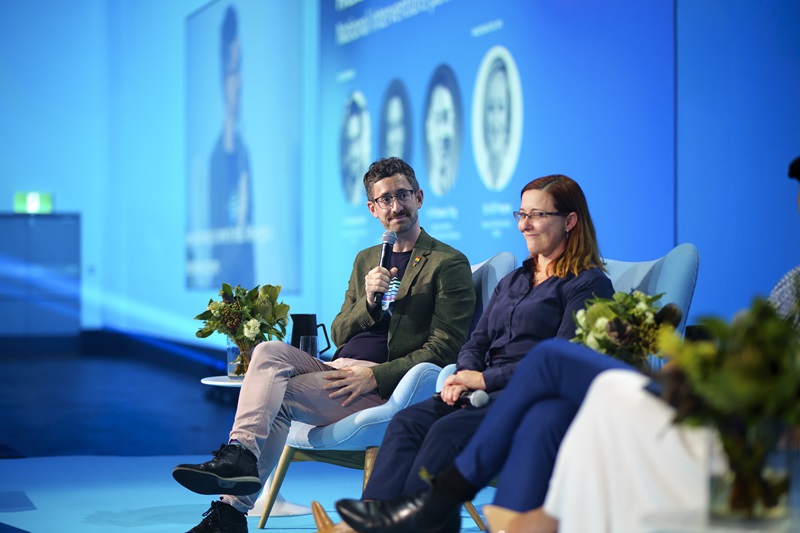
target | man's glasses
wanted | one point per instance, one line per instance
(536, 215)
(403, 197)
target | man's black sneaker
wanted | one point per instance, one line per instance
(232, 471)
(221, 518)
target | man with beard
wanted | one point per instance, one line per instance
(423, 315)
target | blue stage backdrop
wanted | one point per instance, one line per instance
(243, 134)
(482, 97)
(508, 90)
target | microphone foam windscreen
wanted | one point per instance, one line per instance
(478, 398)
(389, 237)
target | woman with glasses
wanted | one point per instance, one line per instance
(533, 303)
(624, 465)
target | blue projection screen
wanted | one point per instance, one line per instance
(480, 98)
(243, 135)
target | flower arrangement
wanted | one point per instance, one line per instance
(625, 327)
(744, 381)
(246, 317)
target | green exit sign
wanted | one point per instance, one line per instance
(33, 202)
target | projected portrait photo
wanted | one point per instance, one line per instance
(356, 153)
(497, 118)
(241, 210)
(443, 127)
(396, 127)
(230, 203)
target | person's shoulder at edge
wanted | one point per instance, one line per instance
(783, 294)
(787, 279)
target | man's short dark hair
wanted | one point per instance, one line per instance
(229, 34)
(386, 168)
(794, 169)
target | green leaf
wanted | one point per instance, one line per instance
(205, 315)
(271, 291)
(252, 295)
(203, 333)
(281, 311)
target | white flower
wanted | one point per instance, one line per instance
(252, 328)
(600, 324)
(591, 342)
(580, 317)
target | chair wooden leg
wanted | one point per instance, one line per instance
(369, 461)
(475, 516)
(277, 481)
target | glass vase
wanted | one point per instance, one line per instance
(238, 360)
(756, 481)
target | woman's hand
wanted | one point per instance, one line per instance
(463, 381)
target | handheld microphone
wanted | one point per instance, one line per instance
(389, 238)
(476, 398)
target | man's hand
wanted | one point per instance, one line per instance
(351, 381)
(377, 281)
(463, 381)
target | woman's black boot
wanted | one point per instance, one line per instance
(435, 509)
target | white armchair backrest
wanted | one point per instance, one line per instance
(485, 276)
(675, 275)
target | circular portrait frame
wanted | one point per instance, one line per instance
(497, 118)
(396, 94)
(355, 147)
(443, 130)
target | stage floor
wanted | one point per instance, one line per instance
(88, 444)
(107, 494)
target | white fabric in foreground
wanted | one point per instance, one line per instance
(623, 459)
